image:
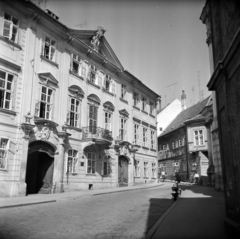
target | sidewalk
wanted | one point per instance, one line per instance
(50, 198)
(198, 213)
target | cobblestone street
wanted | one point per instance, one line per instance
(118, 215)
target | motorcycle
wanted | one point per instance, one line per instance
(176, 191)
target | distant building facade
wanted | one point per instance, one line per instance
(167, 114)
(223, 36)
(71, 117)
(183, 145)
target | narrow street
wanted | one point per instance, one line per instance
(127, 214)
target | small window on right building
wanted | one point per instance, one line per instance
(198, 137)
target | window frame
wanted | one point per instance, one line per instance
(136, 133)
(154, 170)
(74, 161)
(91, 160)
(51, 47)
(145, 139)
(109, 113)
(152, 108)
(11, 26)
(77, 62)
(7, 91)
(198, 136)
(135, 99)
(123, 91)
(93, 72)
(144, 103)
(76, 123)
(51, 104)
(5, 155)
(137, 168)
(145, 167)
(153, 139)
(122, 130)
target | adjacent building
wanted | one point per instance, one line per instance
(183, 146)
(223, 36)
(71, 117)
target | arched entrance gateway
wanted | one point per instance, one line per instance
(123, 162)
(40, 163)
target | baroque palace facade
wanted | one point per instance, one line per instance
(71, 117)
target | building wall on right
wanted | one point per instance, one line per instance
(222, 19)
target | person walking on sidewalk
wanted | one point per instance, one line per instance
(196, 177)
(163, 175)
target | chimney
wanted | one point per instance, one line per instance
(183, 100)
(158, 104)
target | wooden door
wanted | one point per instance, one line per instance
(123, 171)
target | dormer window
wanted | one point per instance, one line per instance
(10, 27)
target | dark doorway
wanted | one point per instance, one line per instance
(39, 173)
(123, 171)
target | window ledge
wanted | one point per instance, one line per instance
(106, 176)
(153, 116)
(154, 150)
(135, 107)
(89, 174)
(3, 169)
(145, 177)
(137, 177)
(110, 93)
(145, 112)
(123, 100)
(75, 74)
(49, 61)
(145, 147)
(10, 42)
(10, 112)
(90, 83)
(73, 128)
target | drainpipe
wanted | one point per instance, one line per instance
(186, 136)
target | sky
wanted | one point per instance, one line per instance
(161, 42)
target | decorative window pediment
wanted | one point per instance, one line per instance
(76, 91)
(94, 99)
(48, 77)
(109, 106)
(124, 113)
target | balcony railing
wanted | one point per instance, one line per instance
(91, 132)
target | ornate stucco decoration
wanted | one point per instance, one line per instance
(97, 37)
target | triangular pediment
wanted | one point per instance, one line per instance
(104, 49)
(123, 112)
(48, 76)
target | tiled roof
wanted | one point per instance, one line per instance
(191, 113)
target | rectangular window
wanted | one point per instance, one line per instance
(106, 168)
(180, 143)
(153, 170)
(93, 111)
(10, 27)
(75, 63)
(136, 133)
(6, 90)
(137, 168)
(144, 103)
(198, 137)
(123, 91)
(43, 108)
(4, 145)
(144, 136)
(72, 161)
(135, 99)
(153, 141)
(145, 169)
(151, 108)
(107, 83)
(91, 165)
(108, 121)
(173, 145)
(123, 126)
(176, 143)
(74, 114)
(49, 49)
(93, 73)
